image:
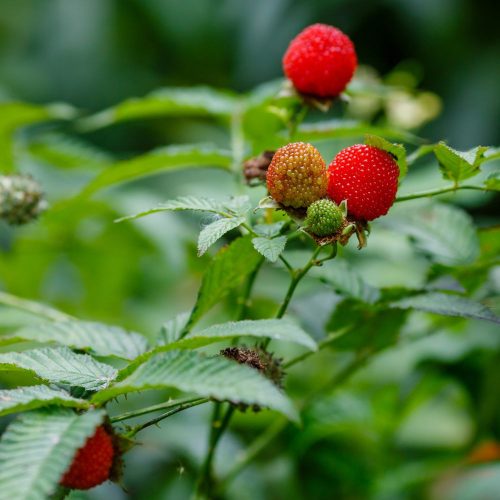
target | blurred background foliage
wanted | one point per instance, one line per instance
(404, 427)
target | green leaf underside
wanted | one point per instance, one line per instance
(214, 377)
(271, 249)
(214, 231)
(269, 230)
(229, 268)
(188, 102)
(60, 365)
(275, 329)
(38, 447)
(159, 160)
(447, 305)
(99, 339)
(36, 396)
(346, 281)
(396, 150)
(235, 206)
(459, 165)
(444, 232)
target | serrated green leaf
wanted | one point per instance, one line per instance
(33, 307)
(187, 101)
(61, 366)
(338, 129)
(271, 249)
(36, 396)
(447, 305)
(269, 230)
(172, 329)
(459, 165)
(14, 115)
(99, 339)
(236, 206)
(228, 269)
(444, 232)
(163, 159)
(214, 231)
(214, 377)
(346, 281)
(38, 447)
(398, 151)
(274, 329)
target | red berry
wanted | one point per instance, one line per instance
(320, 61)
(297, 175)
(365, 176)
(92, 462)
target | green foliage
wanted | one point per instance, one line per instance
(274, 329)
(38, 448)
(270, 248)
(214, 377)
(36, 396)
(447, 305)
(443, 232)
(459, 165)
(163, 159)
(99, 339)
(60, 365)
(138, 275)
(228, 269)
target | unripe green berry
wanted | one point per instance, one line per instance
(21, 199)
(324, 218)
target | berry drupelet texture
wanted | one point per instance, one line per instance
(324, 218)
(297, 175)
(367, 178)
(92, 462)
(320, 61)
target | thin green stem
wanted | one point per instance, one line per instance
(245, 300)
(296, 278)
(206, 480)
(253, 451)
(151, 409)
(436, 192)
(134, 430)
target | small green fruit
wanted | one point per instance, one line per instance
(324, 218)
(21, 199)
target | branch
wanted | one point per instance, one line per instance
(435, 192)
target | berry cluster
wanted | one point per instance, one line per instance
(362, 176)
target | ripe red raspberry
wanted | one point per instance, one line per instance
(92, 462)
(365, 176)
(320, 61)
(297, 175)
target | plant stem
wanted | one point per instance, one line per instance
(217, 429)
(150, 409)
(134, 430)
(296, 278)
(253, 450)
(245, 301)
(435, 192)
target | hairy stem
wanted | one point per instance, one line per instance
(134, 430)
(435, 192)
(150, 409)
